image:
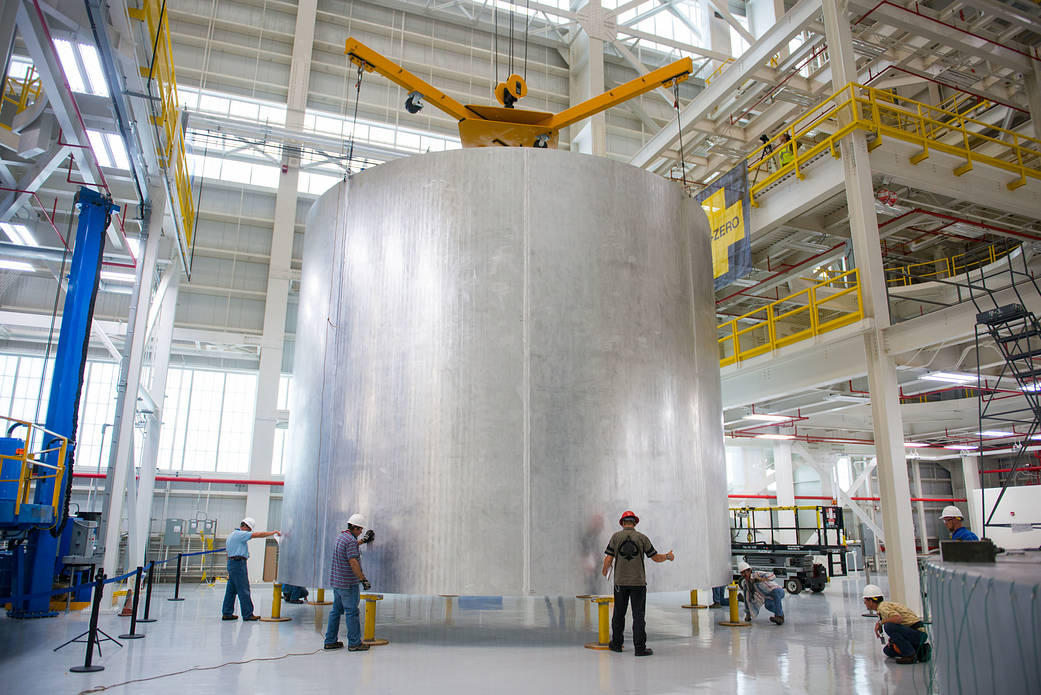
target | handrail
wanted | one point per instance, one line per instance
(171, 148)
(30, 462)
(884, 114)
(719, 69)
(799, 316)
(942, 268)
(18, 92)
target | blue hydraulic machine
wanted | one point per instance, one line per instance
(41, 462)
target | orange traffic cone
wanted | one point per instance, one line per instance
(128, 605)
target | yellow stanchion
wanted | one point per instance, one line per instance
(735, 619)
(693, 600)
(276, 606)
(584, 598)
(603, 623)
(368, 635)
(448, 607)
(320, 599)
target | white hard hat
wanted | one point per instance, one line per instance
(742, 566)
(251, 522)
(950, 511)
(358, 520)
(872, 591)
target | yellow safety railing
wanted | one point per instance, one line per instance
(38, 441)
(820, 308)
(884, 114)
(21, 93)
(942, 268)
(171, 148)
(719, 69)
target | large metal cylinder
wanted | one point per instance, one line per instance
(498, 351)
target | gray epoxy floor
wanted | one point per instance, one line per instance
(528, 646)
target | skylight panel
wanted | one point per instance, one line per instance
(67, 55)
(18, 234)
(20, 266)
(92, 66)
(97, 143)
(119, 151)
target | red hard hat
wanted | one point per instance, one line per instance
(629, 515)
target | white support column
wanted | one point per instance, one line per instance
(970, 470)
(586, 58)
(923, 528)
(1033, 83)
(894, 488)
(785, 481)
(258, 497)
(120, 463)
(153, 427)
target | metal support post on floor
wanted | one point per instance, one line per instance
(603, 625)
(92, 632)
(148, 595)
(449, 600)
(177, 581)
(134, 634)
(320, 599)
(734, 619)
(276, 606)
(368, 635)
(693, 601)
(584, 598)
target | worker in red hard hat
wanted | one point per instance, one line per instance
(626, 551)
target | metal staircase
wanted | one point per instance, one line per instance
(1016, 332)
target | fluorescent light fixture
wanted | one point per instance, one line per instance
(960, 447)
(97, 144)
(914, 444)
(847, 398)
(20, 266)
(1035, 436)
(763, 417)
(69, 65)
(775, 436)
(119, 151)
(950, 377)
(18, 234)
(996, 433)
(92, 66)
(116, 277)
(1030, 388)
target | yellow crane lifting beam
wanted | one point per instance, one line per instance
(505, 126)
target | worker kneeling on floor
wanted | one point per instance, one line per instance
(761, 591)
(908, 641)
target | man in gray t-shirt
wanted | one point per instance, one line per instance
(626, 551)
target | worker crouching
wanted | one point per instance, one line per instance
(761, 591)
(908, 641)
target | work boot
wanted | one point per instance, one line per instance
(252, 618)
(715, 604)
(229, 617)
(360, 647)
(614, 647)
(646, 651)
(777, 619)
(333, 645)
(905, 660)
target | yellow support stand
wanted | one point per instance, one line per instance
(693, 601)
(603, 623)
(368, 635)
(448, 607)
(276, 607)
(584, 598)
(735, 619)
(320, 599)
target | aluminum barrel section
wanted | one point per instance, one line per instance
(498, 351)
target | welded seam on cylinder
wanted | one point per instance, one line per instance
(526, 378)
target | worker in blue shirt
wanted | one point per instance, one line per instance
(238, 579)
(952, 519)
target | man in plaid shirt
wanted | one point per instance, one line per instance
(346, 581)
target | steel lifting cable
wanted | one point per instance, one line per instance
(527, 23)
(495, 55)
(679, 127)
(354, 120)
(511, 39)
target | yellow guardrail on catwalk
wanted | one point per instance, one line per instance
(21, 93)
(28, 461)
(886, 115)
(171, 146)
(823, 307)
(942, 268)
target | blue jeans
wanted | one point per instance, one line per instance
(773, 602)
(719, 594)
(345, 601)
(238, 585)
(906, 639)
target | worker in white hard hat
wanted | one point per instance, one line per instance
(238, 578)
(625, 552)
(346, 581)
(952, 519)
(908, 641)
(761, 591)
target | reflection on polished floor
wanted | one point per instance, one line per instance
(531, 645)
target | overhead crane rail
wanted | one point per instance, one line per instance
(883, 114)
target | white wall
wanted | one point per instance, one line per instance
(1020, 505)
